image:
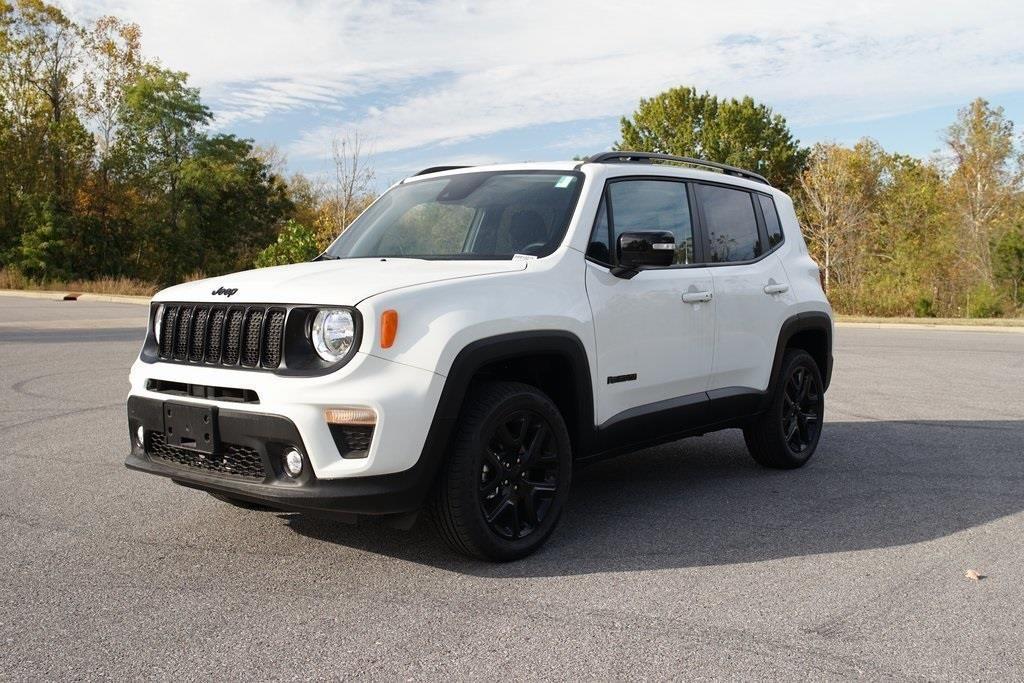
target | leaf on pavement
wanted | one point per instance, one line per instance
(974, 575)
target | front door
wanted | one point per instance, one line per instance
(655, 331)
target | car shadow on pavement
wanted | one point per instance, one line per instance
(704, 502)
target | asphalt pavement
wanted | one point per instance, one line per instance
(681, 561)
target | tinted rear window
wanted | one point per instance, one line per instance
(732, 225)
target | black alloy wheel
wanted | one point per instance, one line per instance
(519, 474)
(786, 434)
(801, 410)
(506, 479)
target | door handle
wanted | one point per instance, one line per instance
(776, 289)
(696, 297)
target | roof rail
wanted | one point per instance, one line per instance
(647, 157)
(437, 169)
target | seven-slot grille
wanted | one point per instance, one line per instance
(240, 336)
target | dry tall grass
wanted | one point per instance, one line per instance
(12, 279)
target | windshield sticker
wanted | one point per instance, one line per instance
(564, 181)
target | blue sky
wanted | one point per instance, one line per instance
(446, 81)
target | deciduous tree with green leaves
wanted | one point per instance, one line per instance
(739, 132)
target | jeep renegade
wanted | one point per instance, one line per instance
(479, 332)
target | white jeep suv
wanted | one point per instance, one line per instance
(478, 333)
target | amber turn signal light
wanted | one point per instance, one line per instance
(388, 328)
(364, 417)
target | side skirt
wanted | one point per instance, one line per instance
(672, 419)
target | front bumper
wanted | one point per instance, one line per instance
(404, 399)
(264, 438)
(392, 477)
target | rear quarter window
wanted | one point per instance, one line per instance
(771, 220)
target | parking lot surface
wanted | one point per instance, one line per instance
(681, 561)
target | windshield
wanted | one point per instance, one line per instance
(486, 215)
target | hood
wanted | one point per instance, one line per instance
(340, 282)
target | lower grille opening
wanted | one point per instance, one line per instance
(233, 459)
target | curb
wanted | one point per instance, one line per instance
(931, 326)
(59, 296)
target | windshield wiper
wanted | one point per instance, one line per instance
(327, 257)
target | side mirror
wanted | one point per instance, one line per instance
(637, 250)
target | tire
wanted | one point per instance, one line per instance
(238, 502)
(787, 434)
(506, 480)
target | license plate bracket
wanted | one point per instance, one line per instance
(191, 426)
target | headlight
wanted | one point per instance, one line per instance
(158, 322)
(333, 333)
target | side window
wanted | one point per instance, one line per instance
(640, 205)
(732, 225)
(771, 220)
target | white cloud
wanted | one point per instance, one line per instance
(409, 74)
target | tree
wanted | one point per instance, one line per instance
(114, 51)
(46, 147)
(160, 125)
(738, 132)
(232, 204)
(987, 175)
(352, 190)
(107, 166)
(911, 261)
(835, 194)
(1009, 260)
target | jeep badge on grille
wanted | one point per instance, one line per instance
(223, 290)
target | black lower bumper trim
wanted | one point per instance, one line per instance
(271, 435)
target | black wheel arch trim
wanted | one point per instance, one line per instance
(808, 321)
(482, 352)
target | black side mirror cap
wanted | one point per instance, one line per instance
(648, 249)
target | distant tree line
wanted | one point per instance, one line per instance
(893, 234)
(108, 166)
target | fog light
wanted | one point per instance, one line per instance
(293, 463)
(140, 436)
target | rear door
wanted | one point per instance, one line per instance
(654, 331)
(751, 287)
